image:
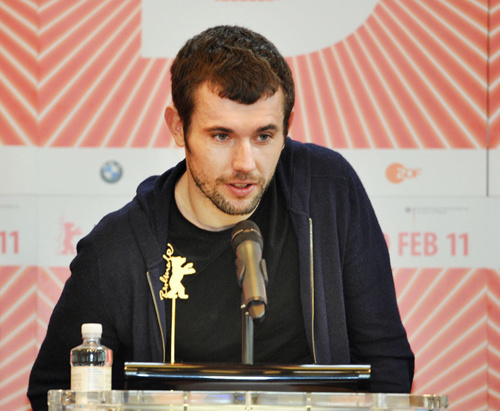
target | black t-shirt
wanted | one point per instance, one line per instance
(208, 322)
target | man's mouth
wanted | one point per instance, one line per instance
(241, 189)
(241, 185)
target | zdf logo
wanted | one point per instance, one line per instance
(396, 173)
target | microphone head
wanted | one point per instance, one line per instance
(257, 310)
(246, 230)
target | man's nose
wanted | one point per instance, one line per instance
(243, 157)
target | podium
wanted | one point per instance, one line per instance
(60, 400)
(234, 387)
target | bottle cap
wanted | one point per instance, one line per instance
(91, 330)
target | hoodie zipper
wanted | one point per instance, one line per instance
(157, 314)
(311, 264)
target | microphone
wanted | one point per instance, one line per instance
(251, 270)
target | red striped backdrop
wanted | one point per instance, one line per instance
(418, 74)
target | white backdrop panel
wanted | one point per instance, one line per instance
(440, 232)
(295, 26)
(494, 172)
(18, 230)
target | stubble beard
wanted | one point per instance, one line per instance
(221, 202)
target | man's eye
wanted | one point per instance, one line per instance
(264, 137)
(221, 137)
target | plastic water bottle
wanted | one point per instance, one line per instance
(91, 362)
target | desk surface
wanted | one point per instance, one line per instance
(60, 400)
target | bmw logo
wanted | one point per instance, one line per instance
(111, 171)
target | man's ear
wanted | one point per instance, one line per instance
(175, 125)
(290, 120)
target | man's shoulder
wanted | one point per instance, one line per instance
(318, 159)
(141, 206)
(113, 229)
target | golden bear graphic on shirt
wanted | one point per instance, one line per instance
(174, 273)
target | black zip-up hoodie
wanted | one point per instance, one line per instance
(347, 289)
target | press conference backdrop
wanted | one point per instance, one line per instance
(407, 90)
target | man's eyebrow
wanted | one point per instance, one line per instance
(269, 127)
(219, 130)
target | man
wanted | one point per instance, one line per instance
(331, 296)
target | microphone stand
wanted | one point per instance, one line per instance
(246, 336)
(251, 273)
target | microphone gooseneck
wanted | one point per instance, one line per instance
(251, 271)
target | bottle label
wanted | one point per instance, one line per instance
(87, 378)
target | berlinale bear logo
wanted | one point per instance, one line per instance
(174, 273)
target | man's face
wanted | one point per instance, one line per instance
(232, 150)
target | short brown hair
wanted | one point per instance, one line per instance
(239, 63)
